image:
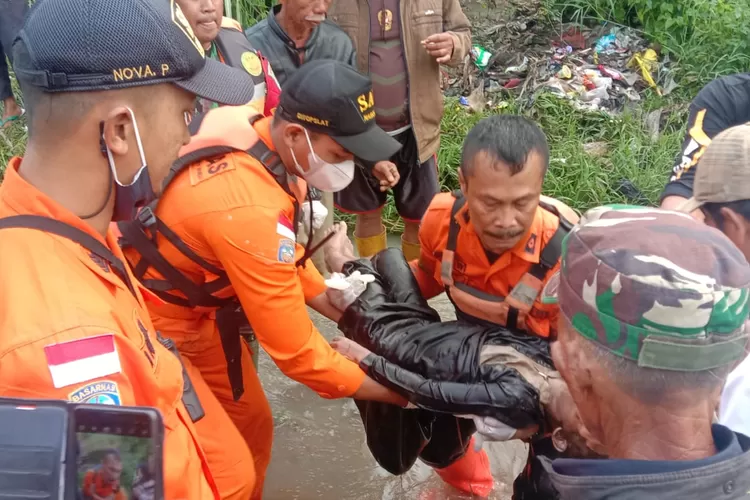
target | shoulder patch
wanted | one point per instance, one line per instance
(251, 62)
(84, 359)
(286, 251)
(104, 392)
(206, 169)
(285, 228)
(530, 247)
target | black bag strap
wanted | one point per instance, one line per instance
(196, 294)
(553, 249)
(84, 239)
(453, 227)
(134, 234)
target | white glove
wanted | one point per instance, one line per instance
(319, 212)
(492, 429)
(343, 290)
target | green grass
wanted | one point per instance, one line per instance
(247, 12)
(575, 176)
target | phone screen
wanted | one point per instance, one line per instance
(119, 454)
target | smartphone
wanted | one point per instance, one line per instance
(34, 448)
(119, 452)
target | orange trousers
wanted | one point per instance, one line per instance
(235, 435)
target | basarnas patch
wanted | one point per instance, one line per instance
(103, 392)
(286, 251)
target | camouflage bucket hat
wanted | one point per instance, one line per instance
(654, 286)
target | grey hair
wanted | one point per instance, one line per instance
(650, 385)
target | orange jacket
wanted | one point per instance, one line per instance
(54, 292)
(471, 265)
(232, 213)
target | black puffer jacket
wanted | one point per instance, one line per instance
(436, 366)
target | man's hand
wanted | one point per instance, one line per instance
(387, 173)
(440, 46)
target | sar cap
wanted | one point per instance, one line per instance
(332, 98)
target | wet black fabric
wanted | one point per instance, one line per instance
(436, 366)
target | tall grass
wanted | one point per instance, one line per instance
(710, 46)
(247, 12)
(707, 38)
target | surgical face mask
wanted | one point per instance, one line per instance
(130, 197)
(328, 177)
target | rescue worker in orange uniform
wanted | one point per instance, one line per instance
(105, 125)
(104, 480)
(224, 41)
(491, 247)
(220, 249)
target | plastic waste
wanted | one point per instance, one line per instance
(520, 68)
(565, 73)
(605, 43)
(646, 63)
(480, 56)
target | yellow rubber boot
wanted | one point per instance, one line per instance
(367, 247)
(411, 250)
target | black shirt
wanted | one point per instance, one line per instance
(722, 104)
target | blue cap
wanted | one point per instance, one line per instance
(91, 45)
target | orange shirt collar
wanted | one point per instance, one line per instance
(23, 198)
(527, 248)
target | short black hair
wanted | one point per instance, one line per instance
(507, 138)
(111, 452)
(741, 207)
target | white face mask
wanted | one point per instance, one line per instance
(328, 177)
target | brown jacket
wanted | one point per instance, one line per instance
(420, 19)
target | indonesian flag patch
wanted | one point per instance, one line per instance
(80, 360)
(285, 228)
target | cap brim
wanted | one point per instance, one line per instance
(549, 292)
(220, 83)
(372, 145)
(690, 206)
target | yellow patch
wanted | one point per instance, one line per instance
(178, 17)
(366, 101)
(367, 106)
(251, 63)
(206, 169)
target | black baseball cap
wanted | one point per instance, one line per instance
(88, 45)
(332, 98)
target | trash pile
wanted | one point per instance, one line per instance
(600, 69)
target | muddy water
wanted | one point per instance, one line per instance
(320, 452)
